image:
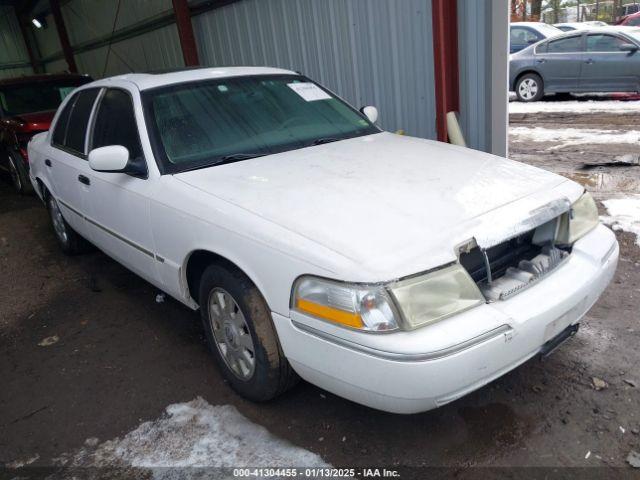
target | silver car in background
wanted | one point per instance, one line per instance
(604, 59)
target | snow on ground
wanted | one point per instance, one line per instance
(624, 214)
(591, 106)
(194, 434)
(566, 137)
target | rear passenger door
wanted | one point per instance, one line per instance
(66, 165)
(559, 62)
(118, 215)
(606, 68)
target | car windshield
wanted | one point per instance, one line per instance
(39, 96)
(201, 124)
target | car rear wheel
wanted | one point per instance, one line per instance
(530, 88)
(19, 176)
(69, 240)
(241, 335)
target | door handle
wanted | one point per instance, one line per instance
(47, 162)
(541, 60)
(83, 179)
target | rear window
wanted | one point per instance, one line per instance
(565, 45)
(37, 96)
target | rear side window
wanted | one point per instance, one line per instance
(565, 45)
(71, 128)
(79, 119)
(60, 131)
(116, 123)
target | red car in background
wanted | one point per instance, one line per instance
(631, 20)
(27, 107)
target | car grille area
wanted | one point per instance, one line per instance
(512, 266)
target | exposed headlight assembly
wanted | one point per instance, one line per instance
(580, 220)
(405, 304)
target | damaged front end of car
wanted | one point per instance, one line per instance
(503, 266)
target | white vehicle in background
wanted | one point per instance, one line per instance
(397, 272)
(572, 26)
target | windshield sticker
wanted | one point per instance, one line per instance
(309, 91)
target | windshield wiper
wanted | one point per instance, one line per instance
(320, 141)
(234, 157)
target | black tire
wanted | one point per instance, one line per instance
(530, 87)
(71, 243)
(19, 175)
(271, 373)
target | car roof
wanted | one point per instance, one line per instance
(610, 29)
(41, 78)
(145, 81)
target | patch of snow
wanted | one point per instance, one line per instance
(574, 136)
(195, 434)
(624, 214)
(24, 462)
(608, 106)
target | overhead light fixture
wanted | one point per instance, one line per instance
(39, 22)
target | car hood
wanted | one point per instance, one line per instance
(389, 204)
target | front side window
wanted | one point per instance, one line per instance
(33, 97)
(565, 45)
(604, 43)
(115, 123)
(200, 124)
(634, 22)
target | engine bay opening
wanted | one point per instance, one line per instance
(513, 265)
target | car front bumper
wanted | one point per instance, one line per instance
(409, 372)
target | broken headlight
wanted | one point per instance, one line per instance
(580, 220)
(434, 296)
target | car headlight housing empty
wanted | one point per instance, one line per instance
(580, 220)
(405, 304)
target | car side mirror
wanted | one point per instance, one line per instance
(115, 159)
(628, 47)
(371, 113)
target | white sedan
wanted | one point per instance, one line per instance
(397, 272)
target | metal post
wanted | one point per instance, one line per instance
(62, 35)
(185, 33)
(445, 52)
(23, 22)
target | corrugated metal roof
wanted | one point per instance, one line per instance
(12, 48)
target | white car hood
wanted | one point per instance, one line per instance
(389, 205)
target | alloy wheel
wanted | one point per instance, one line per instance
(528, 89)
(231, 334)
(59, 225)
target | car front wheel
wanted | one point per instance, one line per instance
(241, 335)
(530, 88)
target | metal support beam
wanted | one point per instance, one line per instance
(445, 53)
(26, 36)
(63, 36)
(185, 33)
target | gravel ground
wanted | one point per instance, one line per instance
(117, 358)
